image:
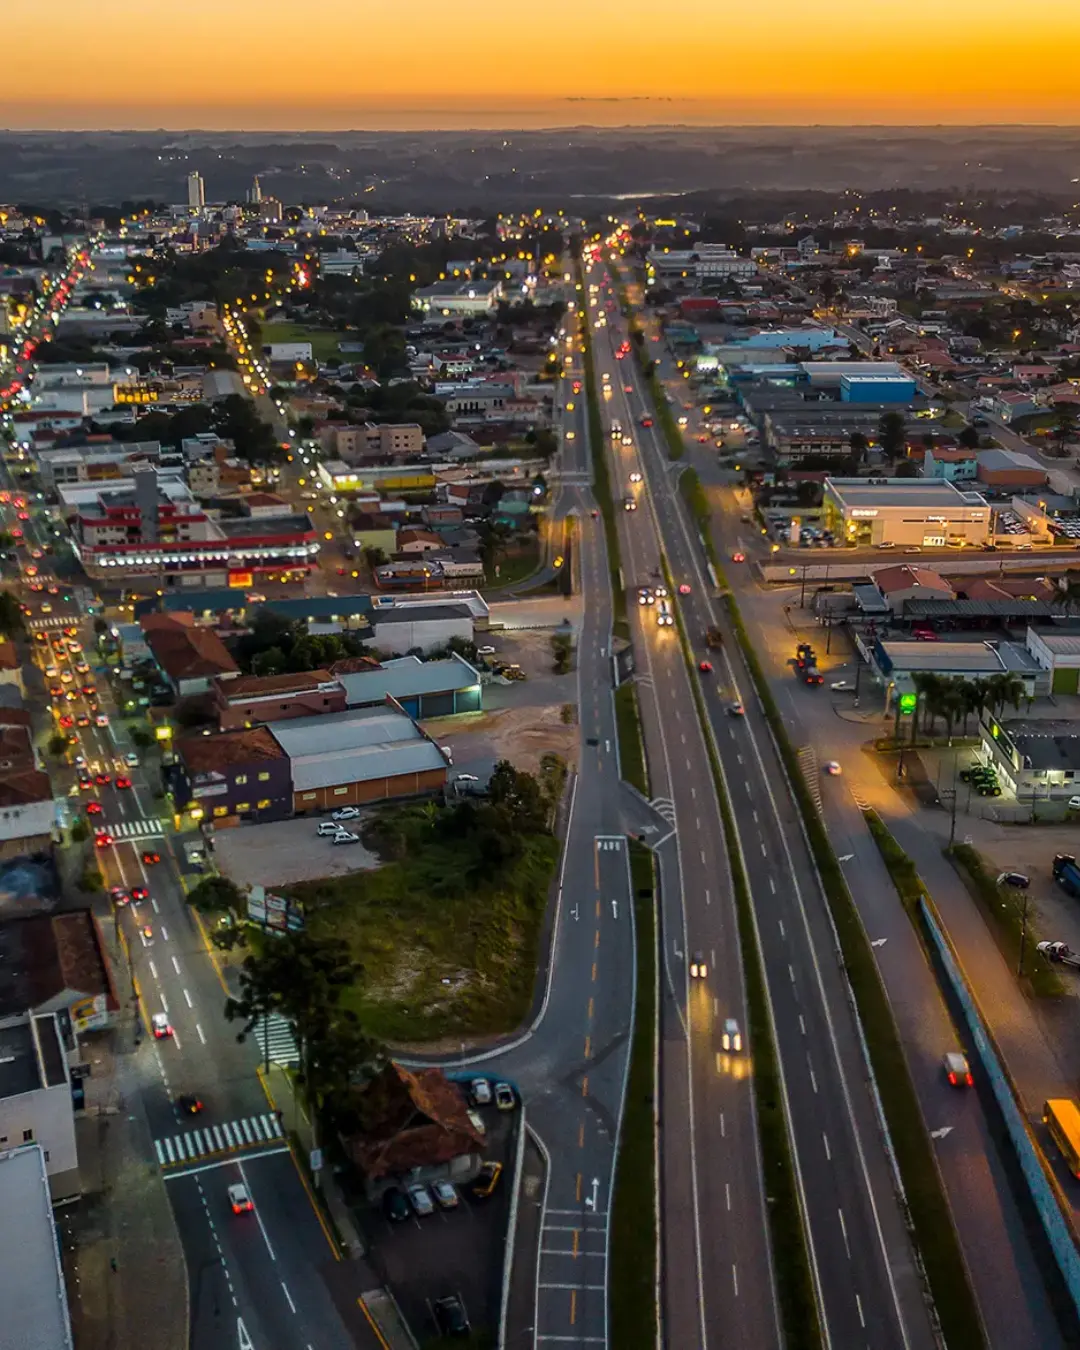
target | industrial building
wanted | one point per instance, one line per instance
(423, 688)
(32, 1290)
(904, 512)
(1036, 760)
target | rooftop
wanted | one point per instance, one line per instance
(212, 754)
(266, 686)
(902, 577)
(947, 658)
(45, 955)
(19, 1070)
(908, 492)
(354, 747)
(32, 1291)
(407, 677)
(1046, 745)
(185, 651)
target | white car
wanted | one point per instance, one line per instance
(1073, 804)
(732, 1036)
(445, 1194)
(698, 967)
(485, 651)
(420, 1199)
(346, 813)
(832, 768)
(841, 686)
(504, 1097)
(345, 837)
(240, 1199)
(328, 827)
(480, 1091)
(101, 720)
(159, 1024)
(131, 759)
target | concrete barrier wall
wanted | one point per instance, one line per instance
(1055, 1225)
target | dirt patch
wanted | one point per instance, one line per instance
(521, 735)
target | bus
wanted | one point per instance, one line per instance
(1061, 1116)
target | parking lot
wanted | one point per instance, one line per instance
(457, 1251)
(285, 851)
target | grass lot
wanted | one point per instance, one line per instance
(516, 564)
(633, 1219)
(441, 957)
(1003, 908)
(324, 343)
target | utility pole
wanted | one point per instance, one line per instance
(1023, 935)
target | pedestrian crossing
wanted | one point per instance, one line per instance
(51, 621)
(275, 1040)
(136, 829)
(248, 1132)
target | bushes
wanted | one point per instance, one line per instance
(631, 749)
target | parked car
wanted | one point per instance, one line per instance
(347, 813)
(345, 837)
(327, 827)
(445, 1193)
(1014, 879)
(486, 1180)
(395, 1205)
(420, 1199)
(505, 1099)
(480, 1092)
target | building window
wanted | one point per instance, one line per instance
(263, 804)
(308, 797)
(240, 779)
(264, 778)
(220, 811)
(28, 1136)
(242, 806)
(340, 792)
(46, 1155)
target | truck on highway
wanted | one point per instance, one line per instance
(713, 637)
(1067, 873)
(1060, 953)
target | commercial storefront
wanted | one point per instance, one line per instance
(904, 512)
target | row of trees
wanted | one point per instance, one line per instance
(274, 645)
(953, 699)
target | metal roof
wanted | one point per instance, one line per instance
(387, 760)
(354, 729)
(976, 609)
(31, 1280)
(408, 677)
(909, 492)
(1061, 644)
(967, 658)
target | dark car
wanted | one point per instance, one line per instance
(450, 1316)
(1014, 879)
(189, 1104)
(395, 1205)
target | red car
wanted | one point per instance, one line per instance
(24, 515)
(684, 589)
(118, 895)
(83, 719)
(93, 808)
(738, 557)
(149, 857)
(71, 631)
(102, 839)
(103, 779)
(705, 667)
(139, 894)
(628, 388)
(88, 690)
(646, 421)
(123, 782)
(66, 720)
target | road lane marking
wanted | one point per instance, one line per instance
(791, 972)
(288, 1296)
(802, 1024)
(164, 935)
(176, 1174)
(153, 970)
(813, 1080)
(199, 1029)
(258, 1216)
(828, 1153)
(764, 851)
(157, 909)
(588, 1047)
(176, 965)
(722, 1129)
(772, 887)
(735, 1279)
(727, 1193)
(780, 922)
(858, 1305)
(164, 1004)
(585, 1086)
(187, 999)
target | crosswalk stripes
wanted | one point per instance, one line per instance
(136, 829)
(234, 1134)
(274, 1040)
(664, 806)
(51, 621)
(809, 766)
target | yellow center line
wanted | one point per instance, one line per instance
(590, 1009)
(573, 1306)
(594, 972)
(597, 942)
(585, 1086)
(577, 1188)
(596, 865)
(574, 1249)
(581, 1139)
(588, 1047)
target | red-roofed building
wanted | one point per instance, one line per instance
(190, 657)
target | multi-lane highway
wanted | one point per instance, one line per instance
(868, 1289)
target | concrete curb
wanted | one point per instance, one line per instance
(511, 1230)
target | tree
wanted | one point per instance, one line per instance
(216, 893)
(1065, 424)
(892, 433)
(11, 619)
(142, 737)
(969, 438)
(80, 831)
(57, 744)
(907, 468)
(859, 446)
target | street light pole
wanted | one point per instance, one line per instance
(1023, 935)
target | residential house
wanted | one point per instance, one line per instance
(189, 656)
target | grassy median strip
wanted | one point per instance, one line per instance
(694, 496)
(1003, 908)
(631, 748)
(931, 1219)
(791, 1263)
(632, 1283)
(601, 475)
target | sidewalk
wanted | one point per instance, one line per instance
(126, 1273)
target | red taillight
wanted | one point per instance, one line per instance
(970, 1081)
(952, 1078)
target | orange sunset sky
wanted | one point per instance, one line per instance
(267, 64)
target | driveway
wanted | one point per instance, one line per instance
(281, 852)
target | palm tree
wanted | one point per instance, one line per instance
(1002, 689)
